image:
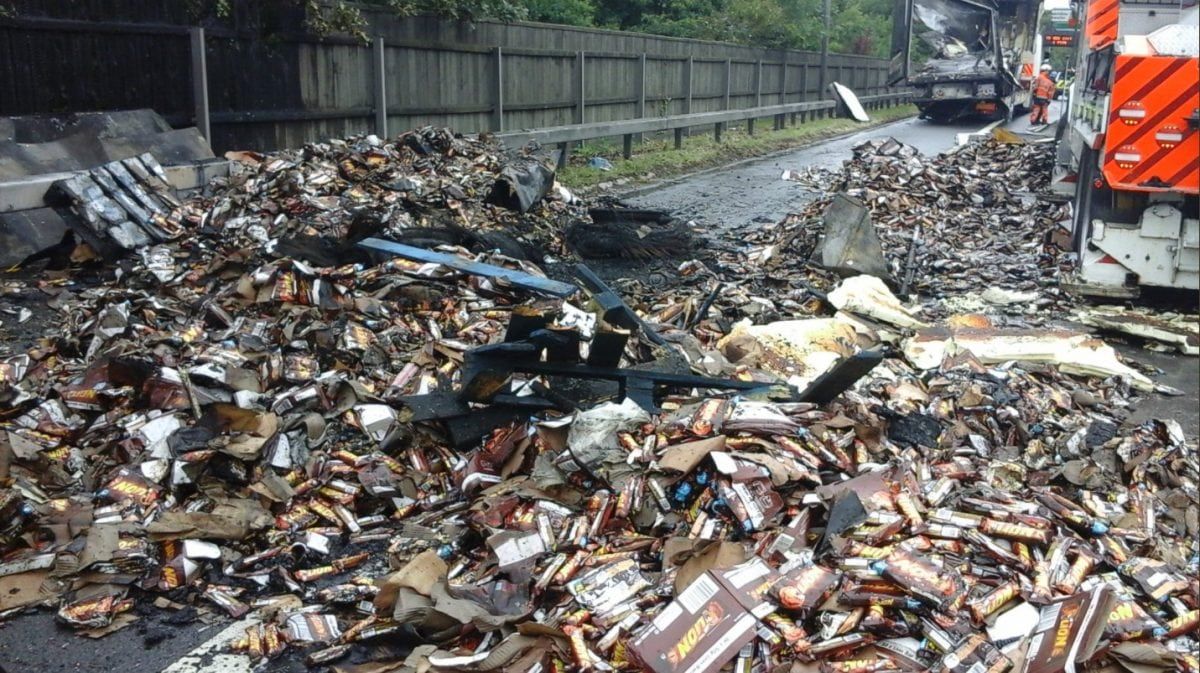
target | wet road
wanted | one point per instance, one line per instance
(752, 192)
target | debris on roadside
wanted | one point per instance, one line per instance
(302, 415)
(960, 223)
(1169, 331)
(124, 204)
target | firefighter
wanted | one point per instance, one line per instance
(1043, 92)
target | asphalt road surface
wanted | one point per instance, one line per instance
(733, 196)
(752, 192)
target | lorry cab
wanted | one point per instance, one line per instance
(965, 57)
(1129, 148)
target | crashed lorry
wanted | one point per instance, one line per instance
(1128, 151)
(965, 57)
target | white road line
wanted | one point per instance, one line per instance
(212, 656)
(964, 138)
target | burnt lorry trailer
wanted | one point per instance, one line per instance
(965, 57)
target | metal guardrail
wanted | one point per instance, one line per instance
(563, 136)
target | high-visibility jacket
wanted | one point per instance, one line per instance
(1044, 87)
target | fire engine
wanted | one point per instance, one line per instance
(1129, 147)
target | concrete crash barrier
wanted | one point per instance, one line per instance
(107, 178)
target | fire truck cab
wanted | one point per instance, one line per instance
(1129, 147)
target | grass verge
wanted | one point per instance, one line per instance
(657, 158)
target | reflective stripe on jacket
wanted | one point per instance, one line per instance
(1044, 87)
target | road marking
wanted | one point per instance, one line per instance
(211, 656)
(964, 138)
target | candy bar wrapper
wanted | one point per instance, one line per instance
(94, 612)
(608, 586)
(975, 654)
(1129, 621)
(746, 487)
(804, 589)
(310, 627)
(944, 588)
(1155, 578)
(865, 665)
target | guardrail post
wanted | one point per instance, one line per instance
(381, 129)
(200, 83)
(679, 138)
(498, 90)
(627, 145)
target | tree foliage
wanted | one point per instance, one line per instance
(857, 26)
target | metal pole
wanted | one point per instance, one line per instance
(381, 120)
(498, 93)
(200, 83)
(824, 49)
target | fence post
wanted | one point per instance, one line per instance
(780, 119)
(728, 81)
(200, 83)
(580, 94)
(824, 82)
(757, 94)
(498, 90)
(783, 64)
(725, 97)
(580, 104)
(381, 129)
(641, 91)
(758, 83)
(641, 86)
(687, 91)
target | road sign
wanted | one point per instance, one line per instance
(1059, 39)
(1061, 15)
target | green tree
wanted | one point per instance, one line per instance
(568, 12)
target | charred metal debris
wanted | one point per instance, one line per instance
(389, 457)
